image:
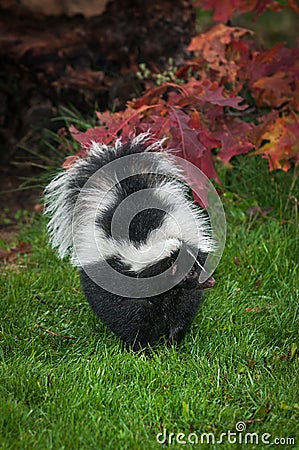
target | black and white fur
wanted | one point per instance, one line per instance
(139, 322)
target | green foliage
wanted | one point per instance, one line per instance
(7, 217)
(167, 75)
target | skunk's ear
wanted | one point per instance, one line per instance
(172, 264)
(174, 268)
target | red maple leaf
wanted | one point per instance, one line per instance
(202, 92)
(114, 125)
(274, 90)
(212, 47)
(233, 135)
(224, 10)
(195, 115)
(192, 144)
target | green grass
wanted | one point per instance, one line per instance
(79, 390)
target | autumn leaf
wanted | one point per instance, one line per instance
(277, 59)
(206, 115)
(200, 92)
(293, 5)
(11, 255)
(187, 144)
(114, 126)
(255, 135)
(184, 137)
(83, 77)
(157, 123)
(233, 136)
(224, 10)
(151, 97)
(273, 91)
(282, 144)
(85, 138)
(192, 143)
(69, 161)
(212, 47)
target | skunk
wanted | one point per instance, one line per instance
(123, 214)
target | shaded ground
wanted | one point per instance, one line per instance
(15, 204)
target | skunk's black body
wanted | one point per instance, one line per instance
(141, 318)
(140, 322)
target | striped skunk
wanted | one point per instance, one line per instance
(124, 216)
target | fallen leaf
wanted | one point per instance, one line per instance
(237, 261)
(69, 161)
(257, 210)
(212, 47)
(10, 255)
(38, 207)
(257, 283)
(282, 144)
(253, 309)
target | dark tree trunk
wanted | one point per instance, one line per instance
(48, 60)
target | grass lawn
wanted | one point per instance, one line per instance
(66, 383)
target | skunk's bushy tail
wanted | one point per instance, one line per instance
(82, 200)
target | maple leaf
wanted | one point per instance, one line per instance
(224, 10)
(292, 4)
(233, 135)
(209, 143)
(157, 124)
(282, 146)
(211, 92)
(255, 135)
(184, 137)
(123, 122)
(85, 138)
(69, 161)
(273, 76)
(151, 97)
(212, 47)
(194, 144)
(273, 60)
(114, 125)
(194, 115)
(274, 90)
(189, 144)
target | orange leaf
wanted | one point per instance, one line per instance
(69, 161)
(213, 44)
(11, 254)
(273, 90)
(283, 142)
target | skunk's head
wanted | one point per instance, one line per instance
(128, 207)
(190, 279)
